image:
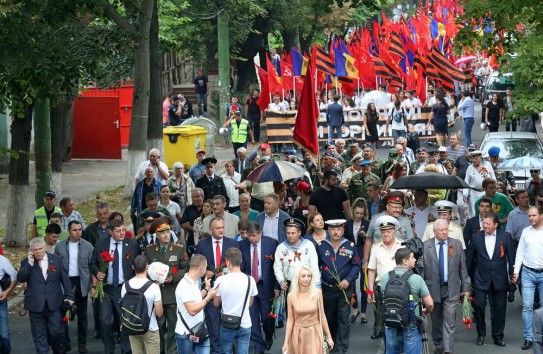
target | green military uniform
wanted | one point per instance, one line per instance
(347, 157)
(376, 166)
(448, 164)
(357, 186)
(175, 256)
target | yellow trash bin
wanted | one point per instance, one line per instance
(181, 144)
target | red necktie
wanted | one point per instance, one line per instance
(254, 267)
(217, 254)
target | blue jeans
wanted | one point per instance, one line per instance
(186, 346)
(468, 125)
(334, 132)
(410, 337)
(396, 134)
(201, 99)
(241, 336)
(530, 281)
(5, 345)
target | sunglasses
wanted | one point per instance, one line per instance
(534, 171)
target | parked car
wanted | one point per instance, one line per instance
(496, 83)
(513, 145)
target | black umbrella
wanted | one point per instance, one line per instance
(429, 180)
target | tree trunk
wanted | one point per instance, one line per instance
(42, 147)
(290, 39)
(154, 127)
(140, 109)
(21, 129)
(61, 139)
(246, 76)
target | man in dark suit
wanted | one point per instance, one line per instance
(446, 275)
(490, 260)
(334, 119)
(145, 237)
(474, 224)
(213, 248)
(46, 277)
(272, 218)
(241, 163)
(211, 184)
(257, 260)
(124, 250)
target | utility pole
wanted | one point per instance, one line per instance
(224, 62)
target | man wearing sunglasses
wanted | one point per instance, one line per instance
(535, 188)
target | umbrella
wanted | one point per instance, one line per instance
(465, 59)
(276, 171)
(429, 180)
(521, 163)
(380, 99)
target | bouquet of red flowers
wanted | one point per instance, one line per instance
(279, 301)
(467, 311)
(335, 274)
(103, 263)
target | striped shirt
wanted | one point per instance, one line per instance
(454, 154)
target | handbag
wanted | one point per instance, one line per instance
(325, 346)
(5, 282)
(198, 332)
(234, 322)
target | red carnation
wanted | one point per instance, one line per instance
(66, 319)
(333, 259)
(326, 268)
(174, 270)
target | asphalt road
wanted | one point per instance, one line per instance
(21, 338)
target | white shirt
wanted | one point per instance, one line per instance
(232, 290)
(420, 217)
(271, 225)
(187, 291)
(490, 244)
(285, 270)
(410, 105)
(279, 107)
(7, 268)
(230, 183)
(140, 173)
(110, 269)
(44, 265)
(445, 257)
(174, 209)
(529, 249)
(73, 264)
(152, 295)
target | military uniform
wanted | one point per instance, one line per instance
(448, 164)
(347, 157)
(357, 186)
(141, 219)
(175, 256)
(376, 165)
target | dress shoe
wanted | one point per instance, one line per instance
(82, 348)
(376, 335)
(354, 317)
(268, 343)
(527, 345)
(363, 319)
(499, 342)
(480, 340)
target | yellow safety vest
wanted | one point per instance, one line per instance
(41, 220)
(239, 134)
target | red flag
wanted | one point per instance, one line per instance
(264, 99)
(274, 81)
(305, 128)
(287, 76)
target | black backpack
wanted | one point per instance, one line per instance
(396, 300)
(134, 312)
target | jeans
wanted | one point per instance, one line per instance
(396, 134)
(5, 345)
(186, 346)
(334, 132)
(201, 99)
(410, 337)
(468, 125)
(530, 282)
(241, 336)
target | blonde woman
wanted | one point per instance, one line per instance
(306, 321)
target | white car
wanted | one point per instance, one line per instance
(513, 145)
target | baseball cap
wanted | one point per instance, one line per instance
(49, 194)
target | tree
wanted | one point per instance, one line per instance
(508, 27)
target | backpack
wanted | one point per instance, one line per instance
(134, 312)
(396, 300)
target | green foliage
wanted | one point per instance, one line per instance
(517, 28)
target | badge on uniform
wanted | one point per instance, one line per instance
(172, 259)
(327, 253)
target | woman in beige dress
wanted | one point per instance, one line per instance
(304, 333)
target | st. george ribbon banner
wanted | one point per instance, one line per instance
(280, 125)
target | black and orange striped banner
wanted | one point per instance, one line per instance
(280, 126)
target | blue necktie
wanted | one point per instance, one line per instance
(116, 265)
(441, 264)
